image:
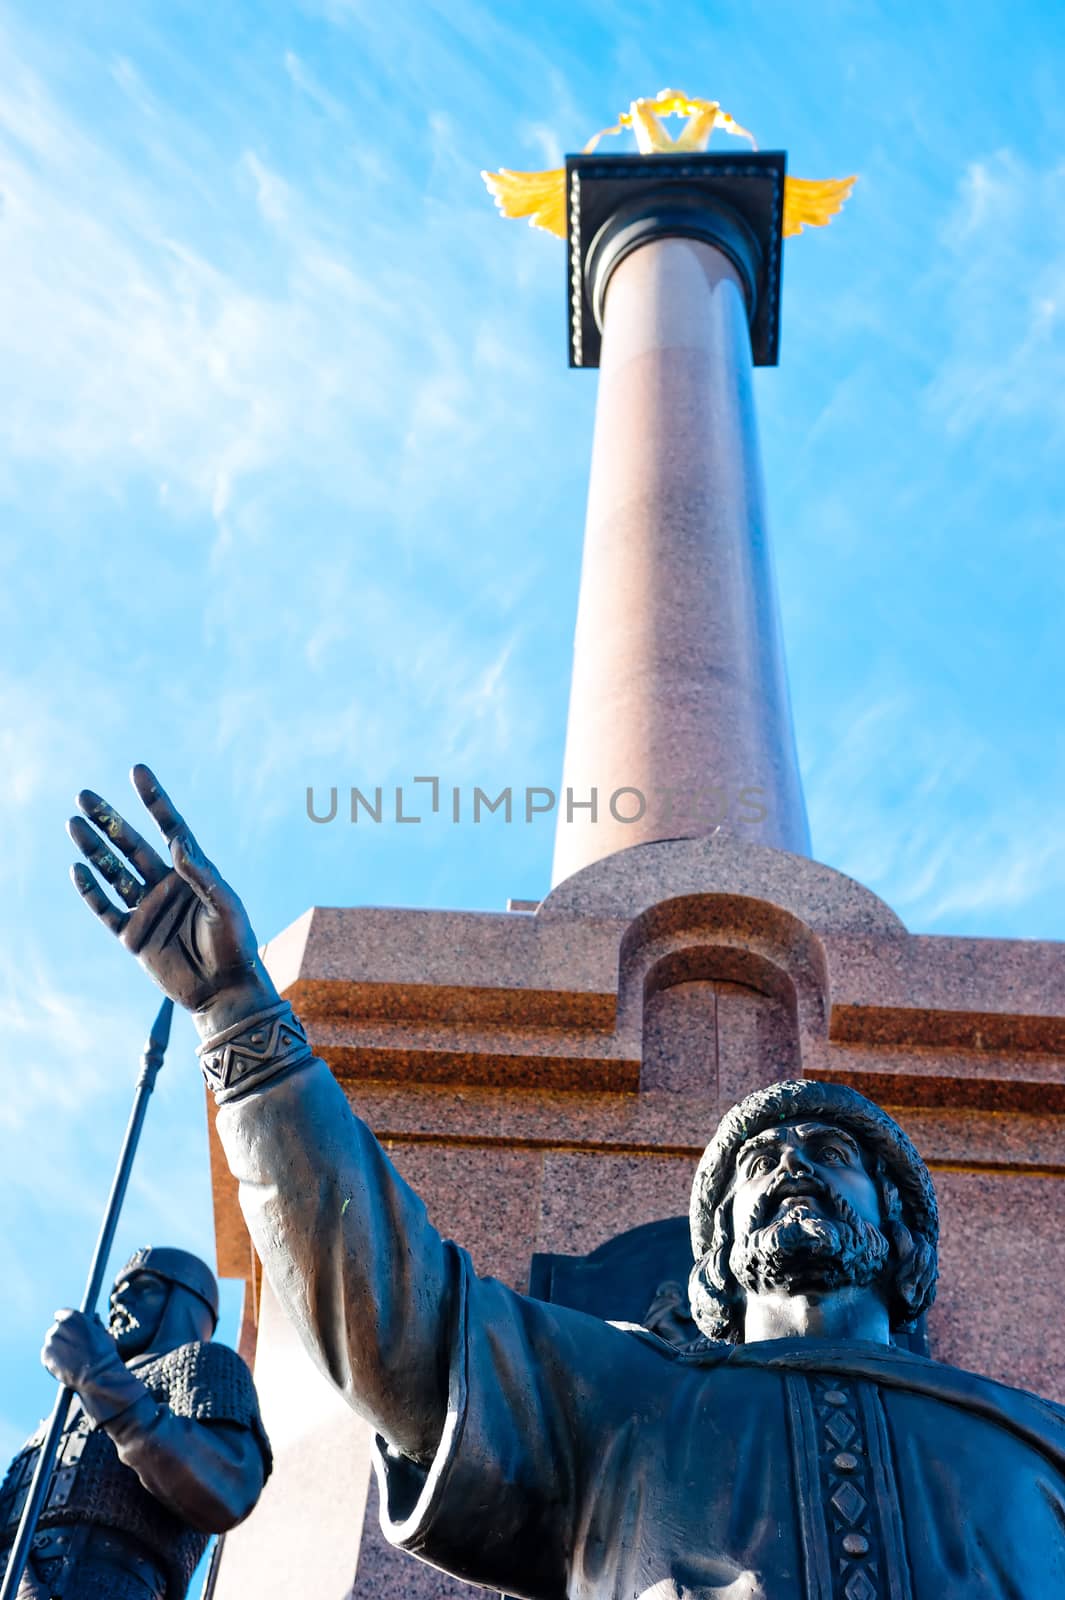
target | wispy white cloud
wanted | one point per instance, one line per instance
(1003, 247)
(307, 81)
(481, 714)
(272, 193)
(72, 1052)
(135, 348)
(546, 141)
(133, 86)
(913, 802)
(46, 1024)
(49, 720)
(999, 868)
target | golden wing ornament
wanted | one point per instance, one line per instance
(540, 196)
(812, 203)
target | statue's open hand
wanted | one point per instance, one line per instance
(182, 921)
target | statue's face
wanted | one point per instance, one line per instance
(137, 1306)
(805, 1211)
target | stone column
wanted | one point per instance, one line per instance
(679, 697)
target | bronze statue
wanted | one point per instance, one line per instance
(793, 1452)
(165, 1447)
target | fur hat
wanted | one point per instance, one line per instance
(804, 1100)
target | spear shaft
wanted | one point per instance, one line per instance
(151, 1061)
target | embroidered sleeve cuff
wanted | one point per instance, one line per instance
(253, 1051)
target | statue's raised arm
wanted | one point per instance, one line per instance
(346, 1244)
(795, 1450)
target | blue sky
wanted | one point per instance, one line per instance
(292, 479)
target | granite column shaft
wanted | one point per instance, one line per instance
(679, 690)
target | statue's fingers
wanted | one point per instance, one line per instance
(107, 864)
(96, 900)
(148, 863)
(167, 816)
(201, 875)
(190, 863)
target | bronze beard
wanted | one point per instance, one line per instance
(800, 1254)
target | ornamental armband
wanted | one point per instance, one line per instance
(253, 1051)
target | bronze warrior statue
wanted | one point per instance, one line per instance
(163, 1447)
(793, 1452)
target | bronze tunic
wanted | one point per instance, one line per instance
(574, 1460)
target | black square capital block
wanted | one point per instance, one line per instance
(616, 203)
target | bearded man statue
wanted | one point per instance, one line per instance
(808, 1193)
(792, 1452)
(163, 1447)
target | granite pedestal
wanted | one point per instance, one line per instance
(512, 1062)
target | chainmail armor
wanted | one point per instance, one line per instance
(206, 1382)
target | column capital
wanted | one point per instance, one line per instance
(614, 204)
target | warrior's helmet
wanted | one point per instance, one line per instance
(177, 1267)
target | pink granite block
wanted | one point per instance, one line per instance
(233, 1247)
(633, 880)
(502, 1057)
(986, 994)
(385, 1573)
(966, 1079)
(303, 1538)
(680, 1040)
(661, 1122)
(983, 1139)
(657, 1121)
(486, 1200)
(999, 1307)
(757, 1042)
(587, 1199)
(400, 964)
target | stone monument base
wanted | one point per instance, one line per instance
(548, 1080)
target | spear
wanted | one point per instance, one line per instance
(151, 1061)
